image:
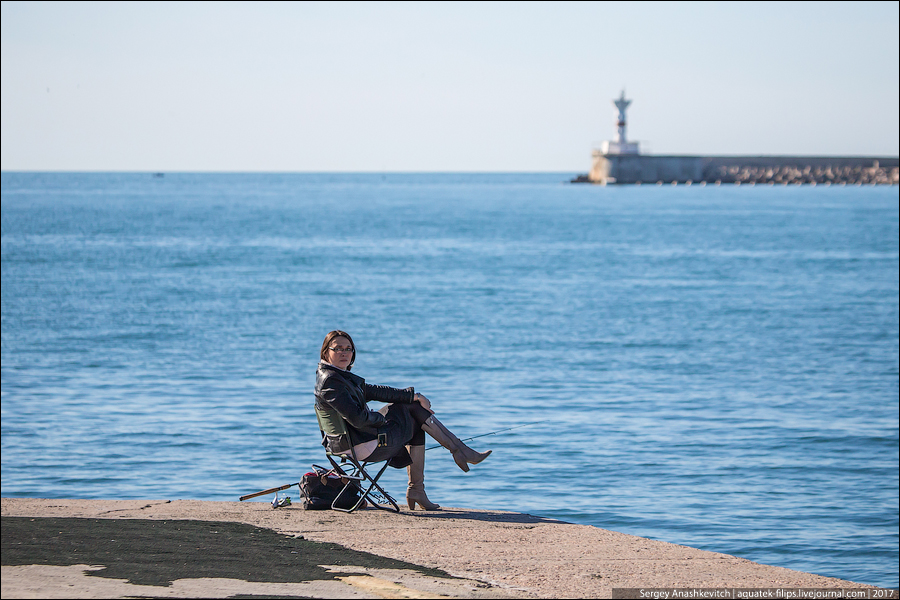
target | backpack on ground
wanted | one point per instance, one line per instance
(321, 487)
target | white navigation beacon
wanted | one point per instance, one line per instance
(621, 145)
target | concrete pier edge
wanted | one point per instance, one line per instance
(651, 169)
(454, 552)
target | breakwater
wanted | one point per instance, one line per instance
(784, 170)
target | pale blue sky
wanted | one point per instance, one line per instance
(438, 86)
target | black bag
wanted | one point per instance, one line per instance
(321, 487)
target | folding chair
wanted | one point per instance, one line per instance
(331, 423)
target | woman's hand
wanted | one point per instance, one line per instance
(425, 402)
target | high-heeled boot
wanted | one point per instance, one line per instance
(415, 493)
(462, 454)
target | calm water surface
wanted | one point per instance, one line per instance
(711, 366)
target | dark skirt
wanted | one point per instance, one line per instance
(394, 435)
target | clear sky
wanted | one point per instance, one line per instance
(438, 86)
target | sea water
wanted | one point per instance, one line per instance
(712, 366)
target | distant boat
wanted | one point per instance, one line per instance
(159, 174)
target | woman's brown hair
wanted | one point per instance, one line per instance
(333, 335)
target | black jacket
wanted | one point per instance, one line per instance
(348, 393)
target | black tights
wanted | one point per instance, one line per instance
(419, 415)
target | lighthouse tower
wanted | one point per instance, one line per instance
(621, 145)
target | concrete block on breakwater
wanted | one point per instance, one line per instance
(189, 548)
(772, 170)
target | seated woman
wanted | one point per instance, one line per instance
(381, 435)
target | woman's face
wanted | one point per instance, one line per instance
(340, 352)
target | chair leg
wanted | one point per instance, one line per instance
(372, 487)
(352, 480)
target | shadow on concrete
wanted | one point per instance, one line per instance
(150, 552)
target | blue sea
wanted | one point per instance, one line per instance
(712, 366)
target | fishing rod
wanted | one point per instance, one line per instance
(489, 433)
(268, 491)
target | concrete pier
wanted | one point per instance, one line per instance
(195, 549)
(773, 170)
(621, 162)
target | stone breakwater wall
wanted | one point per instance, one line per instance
(771, 170)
